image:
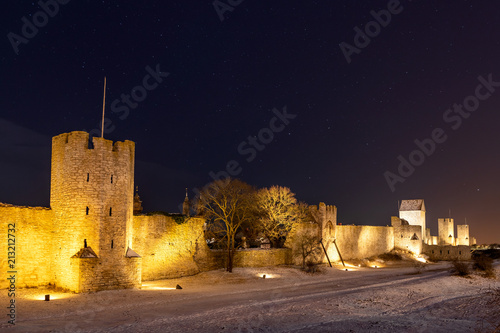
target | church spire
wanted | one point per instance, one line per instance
(185, 205)
(137, 202)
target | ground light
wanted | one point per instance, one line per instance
(150, 287)
(349, 267)
(50, 297)
(267, 276)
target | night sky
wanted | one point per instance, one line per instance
(341, 125)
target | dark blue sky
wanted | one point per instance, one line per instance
(225, 77)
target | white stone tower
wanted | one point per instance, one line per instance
(413, 211)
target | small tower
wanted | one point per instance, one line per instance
(137, 202)
(185, 205)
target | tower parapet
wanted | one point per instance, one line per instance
(326, 217)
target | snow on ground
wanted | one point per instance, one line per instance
(362, 299)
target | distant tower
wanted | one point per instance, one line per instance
(137, 202)
(463, 235)
(185, 205)
(413, 211)
(92, 195)
(445, 231)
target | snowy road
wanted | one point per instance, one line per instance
(361, 300)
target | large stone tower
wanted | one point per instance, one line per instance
(446, 233)
(413, 211)
(92, 197)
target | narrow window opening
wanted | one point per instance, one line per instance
(440, 251)
(111, 243)
(87, 211)
(432, 251)
(448, 251)
(459, 252)
(88, 177)
(110, 211)
(111, 179)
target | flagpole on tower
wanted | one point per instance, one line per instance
(103, 104)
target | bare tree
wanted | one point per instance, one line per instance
(226, 204)
(278, 212)
(308, 243)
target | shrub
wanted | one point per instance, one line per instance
(390, 256)
(484, 263)
(461, 268)
(311, 267)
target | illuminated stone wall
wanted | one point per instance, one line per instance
(361, 241)
(255, 257)
(171, 246)
(33, 247)
(353, 241)
(447, 252)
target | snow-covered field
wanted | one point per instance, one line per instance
(387, 299)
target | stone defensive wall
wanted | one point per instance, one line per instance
(171, 246)
(447, 252)
(360, 241)
(33, 245)
(255, 257)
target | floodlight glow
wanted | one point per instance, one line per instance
(51, 297)
(267, 276)
(150, 287)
